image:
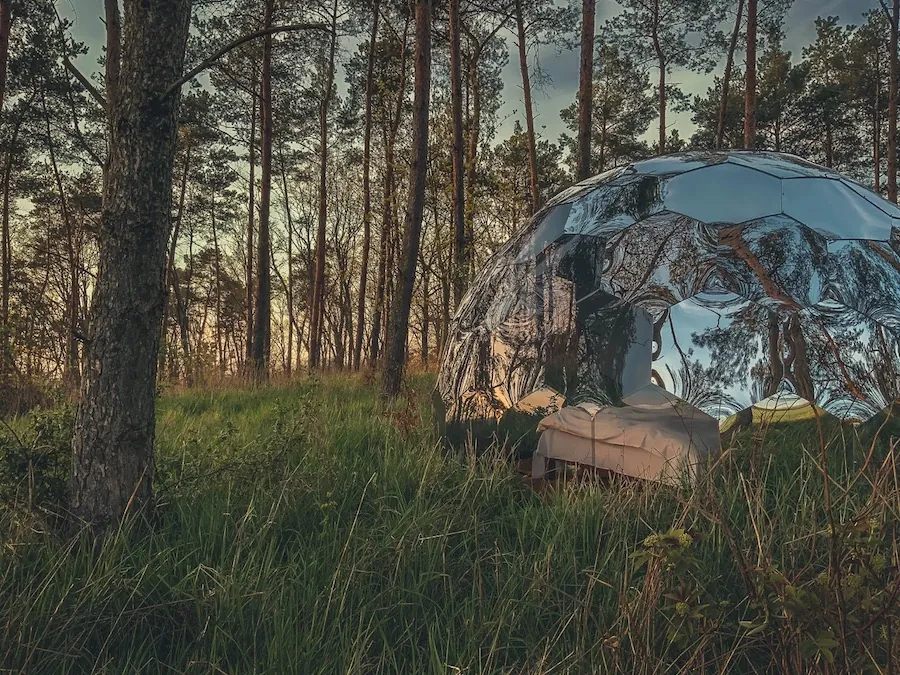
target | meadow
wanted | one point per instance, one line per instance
(307, 528)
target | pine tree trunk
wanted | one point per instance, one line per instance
(472, 150)
(726, 77)
(318, 307)
(892, 108)
(289, 290)
(112, 468)
(5, 29)
(876, 124)
(72, 374)
(367, 191)
(395, 353)
(262, 327)
(460, 249)
(585, 90)
(251, 214)
(529, 111)
(750, 88)
(381, 289)
(661, 63)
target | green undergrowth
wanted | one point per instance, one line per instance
(306, 528)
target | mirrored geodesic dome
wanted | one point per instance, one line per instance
(727, 279)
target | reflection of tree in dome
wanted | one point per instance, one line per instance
(774, 260)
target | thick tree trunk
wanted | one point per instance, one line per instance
(892, 107)
(585, 90)
(460, 248)
(251, 214)
(529, 111)
(367, 191)
(5, 29)
(262, 327)
(113, 52)
(395, 357)
(750, 88)
(726, 77)
(112, 468)
(316, 327)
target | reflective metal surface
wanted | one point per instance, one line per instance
(730, 280)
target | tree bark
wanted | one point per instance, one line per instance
(726, 78)
(251, 214)
(72, 373)
(5, 29)
(529, 111)
(112, 468)
(892, 107)
(315, 335)
(460, 249)
(220, 348)
(661, 63)
(387, 218)
(262, 327)
(113, 52)
(399, 325)
(750, 88)
(585, 90)
(289, 288)
(367, 191)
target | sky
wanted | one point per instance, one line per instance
(561, 68)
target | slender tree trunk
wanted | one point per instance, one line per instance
(289, 290)
(412, 229)
(381, 288)
(529, 111)
(892, 107)
(6, 246)
(472, 150)
(726, 78)
(876, 124)
(367, 191)
(171, 275)
(585, 90)
(750, 89)
(661, 63)
(262, 325)
(220, 349)
(251, 214)
(72, 376)
(460, 249)
(112, 468)
(316, 327)
(5, 29)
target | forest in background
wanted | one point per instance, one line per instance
(325, 217)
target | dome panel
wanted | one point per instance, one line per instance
(889, 207)
(680, 163)
(774, 261)
(865, 276)
(777, 165)
(546, 227)
(660, 260)
(711, 352)
(852, 361)
(613, 343)
(725, 193)
(620, 204)
(830, 207)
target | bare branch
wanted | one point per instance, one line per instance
(209, 61)
(86, 83)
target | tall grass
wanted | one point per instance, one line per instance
(306, 529)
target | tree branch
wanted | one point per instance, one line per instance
(91, 89)
(209, 61)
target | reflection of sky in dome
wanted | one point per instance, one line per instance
(832, 208)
